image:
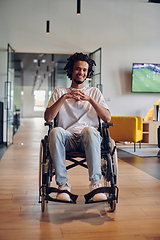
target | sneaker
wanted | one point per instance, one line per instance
(64, 196)
(99, 196)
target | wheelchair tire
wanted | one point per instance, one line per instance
(114, 159)
(40, 160)
(43, 203)
(42, 176)
(112, 205)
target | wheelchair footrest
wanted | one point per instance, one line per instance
(91, 201)
(111, 190)
(73, 197)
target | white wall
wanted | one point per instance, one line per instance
(133, 38)
(127, 31)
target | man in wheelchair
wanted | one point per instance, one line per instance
(77, 109)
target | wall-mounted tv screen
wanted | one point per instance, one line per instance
(145, 78)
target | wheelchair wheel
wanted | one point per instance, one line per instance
(114, 159)
(43, 202)
(42, 170)
(112, 205)
(110, 159)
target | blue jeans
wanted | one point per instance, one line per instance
(89, 140)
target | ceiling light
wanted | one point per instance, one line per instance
(154, 1)
(47, 27)
(78, 7)
(35, 60)
(43, 60)
(39, 63)
(52, 58)
(47, 22)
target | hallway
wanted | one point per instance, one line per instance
(138, 211)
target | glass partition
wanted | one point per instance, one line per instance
(9, 95)
(57, 78)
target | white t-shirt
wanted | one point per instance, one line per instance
(74, 116)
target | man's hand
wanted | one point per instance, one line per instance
(102, 112)
(78, 95)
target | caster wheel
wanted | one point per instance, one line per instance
(112, 205)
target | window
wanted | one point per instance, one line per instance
(39, 100)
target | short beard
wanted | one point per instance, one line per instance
(79, 82)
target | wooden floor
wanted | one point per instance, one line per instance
(138, 211)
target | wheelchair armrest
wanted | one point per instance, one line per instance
(107, 125)
(50, 124)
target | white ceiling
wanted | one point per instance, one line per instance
(23, 23)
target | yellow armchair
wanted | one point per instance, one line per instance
(128, 129)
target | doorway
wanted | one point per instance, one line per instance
(45, 72)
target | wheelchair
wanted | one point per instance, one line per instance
(109, 168)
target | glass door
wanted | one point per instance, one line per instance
(9, 96)
(96, 78)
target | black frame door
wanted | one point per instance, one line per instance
(96, 79)
(9, 95)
